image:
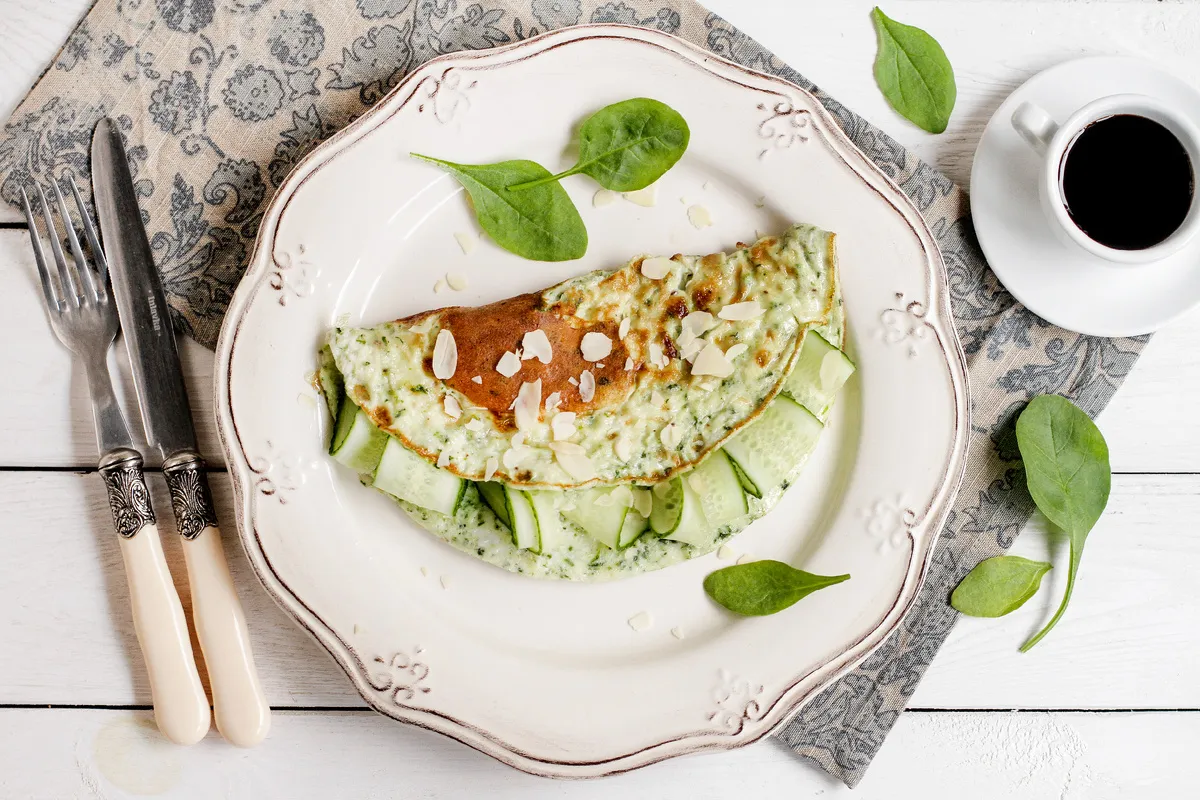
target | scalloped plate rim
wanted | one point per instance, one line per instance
(804, 686)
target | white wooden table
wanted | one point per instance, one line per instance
(1108, 706)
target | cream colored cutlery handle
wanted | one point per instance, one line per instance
(180, 707)
(243, 716)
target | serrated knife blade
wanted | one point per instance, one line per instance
(145, 319)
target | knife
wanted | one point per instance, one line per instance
(242, 714)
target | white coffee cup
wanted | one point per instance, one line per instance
(1053, 141)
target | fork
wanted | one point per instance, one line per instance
(84, 318)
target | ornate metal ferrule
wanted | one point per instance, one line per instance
(128, 497)
(191, 499)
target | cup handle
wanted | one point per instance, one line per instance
(1035, 126)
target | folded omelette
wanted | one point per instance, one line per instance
(616, 422)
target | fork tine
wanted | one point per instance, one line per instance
(88, 288)
(39, 256)
(69, 289)
(89, 231)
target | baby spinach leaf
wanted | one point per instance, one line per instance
(913, 73)
(998, 586)
(541, 224)
(627, 146)
(1067, 470)
(764, 587)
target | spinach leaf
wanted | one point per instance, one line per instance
(541, 224)
(763, 587)
(626, 146)
(998, 586)
(913, 73)
(1067, 470)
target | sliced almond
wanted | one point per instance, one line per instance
(490, 467)
(657, 267)
(553, 401)
(514, 456)
(641, 621)
(443, 459)
(620, 496)
(573, 458)
(711, 361)
(518, 439)
(671, 436)
(699, 216)
(536, 344)
(475, 425)
(629, 364)
(623, 448)
(452, 408)
(738, 312)
(509, 364)
(424, 325)
(445, 355)
(643, 197)
(623, 328)
(643, 501)
(736, 350)
(465, 241)
(698, 322)
(456, 281)
(587, 386)
(595, 346)
(563, 425)
(603, 197)
(573, 381)
(657, 399)
(657, 355)
(690, 350)
(477, 379)
(529, 405)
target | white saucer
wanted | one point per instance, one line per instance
(1057, 281)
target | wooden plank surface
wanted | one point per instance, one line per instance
(117, 754)
(48, 422)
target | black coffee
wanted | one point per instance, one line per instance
(1127, 181)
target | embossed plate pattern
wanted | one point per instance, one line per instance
(548, 676)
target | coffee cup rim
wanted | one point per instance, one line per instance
(1102, 108)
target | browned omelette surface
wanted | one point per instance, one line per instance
(642, 412)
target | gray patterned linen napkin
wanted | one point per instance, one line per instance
(223, 97)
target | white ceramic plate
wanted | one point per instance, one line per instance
(548, 676)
